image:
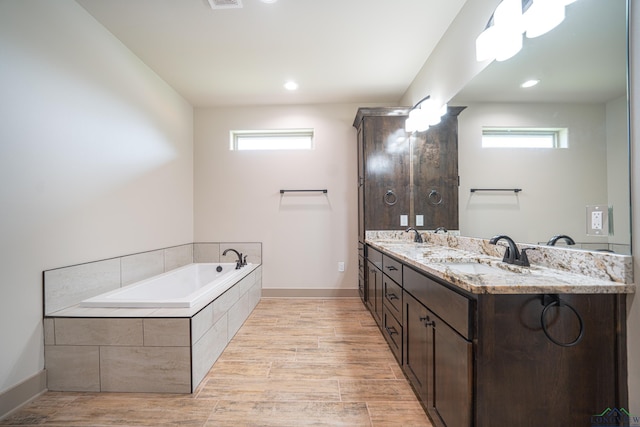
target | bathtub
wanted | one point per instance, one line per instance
(183, 287)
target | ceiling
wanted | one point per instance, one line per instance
(338, 51)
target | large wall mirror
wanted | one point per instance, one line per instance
(582, 97)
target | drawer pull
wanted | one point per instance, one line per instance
(391, 330)
(426, 321)
(392, 268)
(391, 297)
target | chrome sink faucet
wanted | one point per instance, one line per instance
(241, 262)
(418, 237)
(511, 253)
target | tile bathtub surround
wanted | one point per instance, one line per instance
(261, 379)
(598, 265)
(155, 351)
(67, 286)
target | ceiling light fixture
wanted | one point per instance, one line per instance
(427, 112)
(530, 83)
(291, 85)
(502, 36)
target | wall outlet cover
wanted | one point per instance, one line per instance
(597, 220)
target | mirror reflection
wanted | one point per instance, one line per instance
(581, 101)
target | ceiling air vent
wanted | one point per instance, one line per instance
(225, 4)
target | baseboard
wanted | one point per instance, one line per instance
(309, 293)
(22, 393)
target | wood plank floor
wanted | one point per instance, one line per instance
(293, 363)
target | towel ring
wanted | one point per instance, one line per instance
(434, 197)
(390, 198)
(556, 301)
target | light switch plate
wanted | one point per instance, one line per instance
(419, 220)
(404, 220)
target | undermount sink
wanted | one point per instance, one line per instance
(473, 268)
(482, 268)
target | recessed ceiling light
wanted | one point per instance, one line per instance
(529, 83)
(291, 85)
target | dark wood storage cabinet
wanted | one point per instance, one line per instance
(403, 174)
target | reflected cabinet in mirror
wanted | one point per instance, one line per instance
(581, 101)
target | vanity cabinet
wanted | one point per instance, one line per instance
(373, 283)
(483, 359)
(438, 353)
(392, 327)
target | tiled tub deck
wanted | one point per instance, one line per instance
(164, 350)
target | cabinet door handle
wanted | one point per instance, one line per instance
(426, 321)
(392, 268)
(391, 297)
(391, 330)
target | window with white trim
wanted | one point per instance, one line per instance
(277, 139)
(524, 137)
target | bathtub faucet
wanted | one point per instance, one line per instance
(241, 261)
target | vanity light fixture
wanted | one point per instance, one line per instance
(529, 83)
(291, 85)
(502, 37)
(427, 112)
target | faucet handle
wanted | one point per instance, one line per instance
(524, 259)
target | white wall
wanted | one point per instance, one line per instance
(555, 191)
(618, 168)
(237, 193)
(96, 158)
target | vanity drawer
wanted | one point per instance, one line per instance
(447, 304)
(392, 268)
(392, 331)
(392, 294)
(375, 256)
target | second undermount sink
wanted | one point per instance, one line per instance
(473, 268)
(481, 268)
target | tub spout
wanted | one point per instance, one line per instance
(241, 262)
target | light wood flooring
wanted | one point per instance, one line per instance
(293, 363)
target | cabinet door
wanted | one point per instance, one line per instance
(435, 168)
(418, 339)
(386, 178)
(374, 291)
(453, 376)
(361, 229)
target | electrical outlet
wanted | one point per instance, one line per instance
(419, 220)
(404, 220)
(598, 220)
(341, 266)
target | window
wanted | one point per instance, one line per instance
(524, 138)
(279, 139)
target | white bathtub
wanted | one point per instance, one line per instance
(183, 287)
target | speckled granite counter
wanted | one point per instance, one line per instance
(554, 270)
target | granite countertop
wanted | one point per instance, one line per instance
(479, 273)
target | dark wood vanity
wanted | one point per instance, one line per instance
(484, 360)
